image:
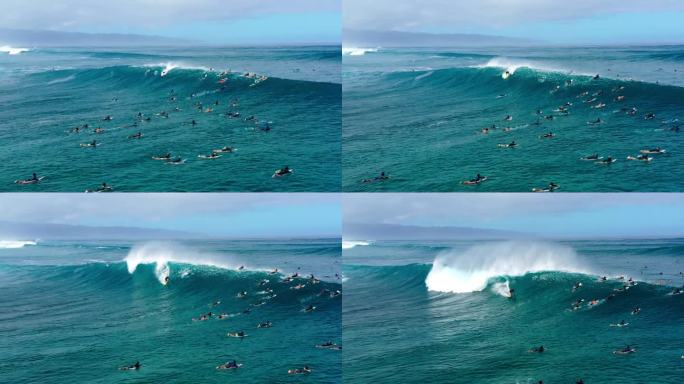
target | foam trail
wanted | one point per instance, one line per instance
(161, 254)
(12, 50)
(473, 270)
(353, 51)
(14, 244)
(348, 244)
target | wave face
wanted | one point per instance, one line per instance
(49, 93)
(473, 270)
(110, 313)
(430, 330)
(398, 113)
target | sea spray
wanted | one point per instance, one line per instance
(12, 244)
(349, 244)
(474, 269)
(162, 253)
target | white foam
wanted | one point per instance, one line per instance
(348, 244)
(353, 51)
(62, 80)
(473, 269)
(167, 67)
(502, 289)
(161, 253)
(12, 50)
(512, 65)
(14, 244)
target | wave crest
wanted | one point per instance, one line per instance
(353, 51)
(348, 244)
(474, 269)
(161, 254)
(14, 244)
(12, 50)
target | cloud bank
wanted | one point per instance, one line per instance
(484, 16)
(79, 15)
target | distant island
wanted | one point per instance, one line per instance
(365, 38)
(375, 231)
(44, 38)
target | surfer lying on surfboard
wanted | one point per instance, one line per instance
(477, 180)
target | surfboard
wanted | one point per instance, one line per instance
(638, 159)
(225, 367)
(472, 182)
(276, 174)
(208, 157)
(298, 371)
(27, 182)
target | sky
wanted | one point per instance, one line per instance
(211, 21)
(553, 21)
(216, 215)
(557, 215)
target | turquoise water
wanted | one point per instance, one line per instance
(46, 93)
(73, 312)
(419, 114)
(394, 323)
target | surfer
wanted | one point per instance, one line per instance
(310, 308)
(133, 367)
(625, 351)
(597, 121)
(283, 171)
(636, 311)
(594, 156)
(167, 156)
(104, 188)
(229, 365)
(576, 287)
(107, 118)
(512, 144)
(608, 160)
(597, 77)
(549, 135)
(539, 349)
(299, 371)
(136, 136)
(166, 280)
(508, 118)
(511, 291)
(266, 324)
(650, 116)
(477, 180)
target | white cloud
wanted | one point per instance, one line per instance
(143, 14)
(73, 208)
(484, 208)
(449, 15)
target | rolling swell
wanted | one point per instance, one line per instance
(145, 76)
(186, 281)
(487, 81)
(542, 288)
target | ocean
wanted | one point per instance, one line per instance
(76, 312)
(438, 312)
(285, 113)
(419, 115)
